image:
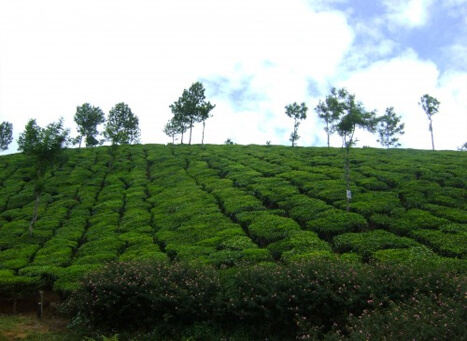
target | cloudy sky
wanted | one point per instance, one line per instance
(253, 56)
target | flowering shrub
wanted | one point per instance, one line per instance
(418, 318)
(133, 296)
(321, 298)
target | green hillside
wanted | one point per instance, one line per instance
(229, 206)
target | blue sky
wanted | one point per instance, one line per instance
(253, 56)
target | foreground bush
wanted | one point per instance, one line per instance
(419, 318)
(314, 299)
(133, 296)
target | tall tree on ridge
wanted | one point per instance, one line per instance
(430, 105)
(388, 127)
(171, 129)
(6, 135)
(191, 108)
(122, 125)
(298, 113)
(179, 122)
(331, 109)
(88, 118)
(353, 116)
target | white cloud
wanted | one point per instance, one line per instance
(408, 13)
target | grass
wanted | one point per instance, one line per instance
(29, 327)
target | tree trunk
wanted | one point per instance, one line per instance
(34, 215)
(347, 178)
(348, 145)
(432, 140)
(327, 131)
(202, 137)
(191, 128)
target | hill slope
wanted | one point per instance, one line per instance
(229, 205)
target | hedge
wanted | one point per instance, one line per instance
(415, 219)
(298, 242)
(366, 243)
(419, 257)
(272, 190)
(17, 257)
(457, 215)
(13, 287)
(370, 203)
(446, 244)
(303, 208)
(266, 229)
(333, 222)
(143, 252)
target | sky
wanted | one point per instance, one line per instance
(254, 57)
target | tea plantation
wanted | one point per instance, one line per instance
(244, 233)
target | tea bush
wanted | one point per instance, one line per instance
(267, 229)
(366, 243)
(415, 219)
(446, 244)
(370, 203)
(299, 242)
(272, 190)
(13, 287)
(234, 200)
(56, 252)
(18, 257)
(372, 184)
(302, 179)
(333, 222)
(454, 214)
(143, 252)
(303, 208)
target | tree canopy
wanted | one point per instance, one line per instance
(431, 106)
(191, 108)
(88, 118)
(353, 116)
(298, 113)
(388, 127)
(122, 125)
(6, 135)
(331, 109)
